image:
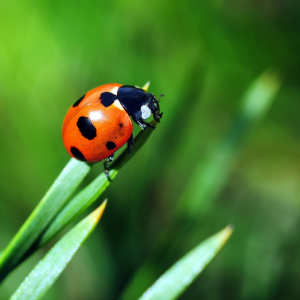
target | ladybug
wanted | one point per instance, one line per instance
(100, 122)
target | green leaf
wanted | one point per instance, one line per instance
(92, 192)
(56, 197)
(212, 171)
(173, 282)
(43, 276)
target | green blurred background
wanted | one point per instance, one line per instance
(203, 55)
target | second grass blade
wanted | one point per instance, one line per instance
(173, 282)
(42, 277)
(56, 197)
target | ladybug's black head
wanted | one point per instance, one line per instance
(154, 106)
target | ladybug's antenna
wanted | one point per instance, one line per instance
(162, 95)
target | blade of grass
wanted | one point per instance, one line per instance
(176, 280)
(43, 276)
(212, 171)
(92, 192)
(56, 197)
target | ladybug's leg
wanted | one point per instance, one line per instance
(149, 125)
(109, 159)
(143, 124)
(130, 143)
(157, 117)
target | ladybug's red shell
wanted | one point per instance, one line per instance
(92, 132)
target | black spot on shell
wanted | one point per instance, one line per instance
(110, 145)
(86, 128)
(78, 101)
(121, 125)
(77, 154)
(107, 98)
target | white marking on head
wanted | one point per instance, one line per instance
(146, 112)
